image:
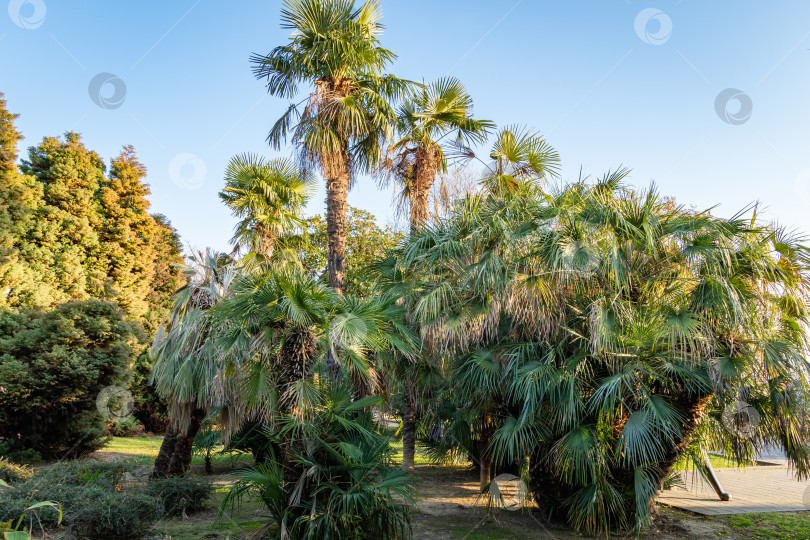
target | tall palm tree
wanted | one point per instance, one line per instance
(427, 116)
(520, 157)
(434, 124)
(343, 123)
(267, 197)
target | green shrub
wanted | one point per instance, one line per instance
(25, 456)
(104, 514)
(124, 427)
(70, 474)
(11, 472)
(89, 492)
(333, 476)
(176, 494)
(53, 366)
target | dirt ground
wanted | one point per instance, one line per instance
(451, 509)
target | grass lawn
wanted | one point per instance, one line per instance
(768, 525)
(718, 462)
(144, 450)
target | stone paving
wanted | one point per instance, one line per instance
(766, 488)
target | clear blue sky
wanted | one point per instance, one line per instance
(603, 89)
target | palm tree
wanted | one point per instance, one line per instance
(427, 116)
(596, 334)
(346, 118)
(267, 197)
(185, 359)
(345, 486)
(520, 158)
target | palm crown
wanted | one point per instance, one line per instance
(267, 197)
(427, 116)
(346, 117)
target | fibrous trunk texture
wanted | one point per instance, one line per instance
(424, 175)
(484, 457)
(338, 176)
(408, 430)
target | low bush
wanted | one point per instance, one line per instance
(26, 456)
(178, 494)
(66, 475)
(11, 472)
(124, 427)
(93, 502)
(103, 514)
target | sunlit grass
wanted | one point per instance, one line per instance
(718, 462)
(144, 450)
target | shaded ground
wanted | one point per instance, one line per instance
(450, 510)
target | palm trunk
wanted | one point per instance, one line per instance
(408, 430)
(484, 457)
(174, 457)
(694, 409)
(419, 214)
(337, 190)
(268, 240)
(425, 175)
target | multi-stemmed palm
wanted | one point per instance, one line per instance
(519, 156)
(342, 125)
(267, 197)
(596, 334)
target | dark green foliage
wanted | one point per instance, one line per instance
(150, 410)
(124, 427)
(53, 366)
(180, 493)
(11, 472)
(71, 230)
(26, 456)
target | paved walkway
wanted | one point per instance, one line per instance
(771, 488)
